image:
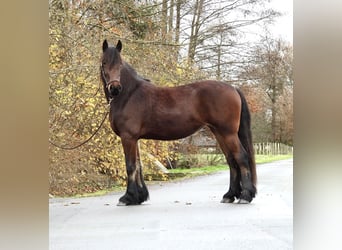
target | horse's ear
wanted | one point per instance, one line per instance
(119, 46)
(104, 45)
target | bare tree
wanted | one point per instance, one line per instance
(271, 70)
(195, 28)
(178, 18)
(214, 28)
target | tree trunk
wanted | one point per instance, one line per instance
(178, 9)
(195, 27)
(170, 29)
(164, 19)
(219, 51)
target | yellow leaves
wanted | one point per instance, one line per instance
(75, 179)
(116, 31)
(179, 71)
(59, 91)
(75, 113)
(60, 134)
(91, 103)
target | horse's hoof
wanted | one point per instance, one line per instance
(243, 201)
(227, 200)
(121, 204)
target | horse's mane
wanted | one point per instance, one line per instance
(134, 73)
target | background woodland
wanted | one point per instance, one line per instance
(171, 42)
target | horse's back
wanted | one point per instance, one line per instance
(218, 104)
(182, 110)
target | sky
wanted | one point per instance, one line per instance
(283, 26)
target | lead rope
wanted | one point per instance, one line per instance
(81, 144)
(104, 118)
(97, 130)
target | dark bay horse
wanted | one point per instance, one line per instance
(139, 109)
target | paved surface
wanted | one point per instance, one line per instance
(181, 215)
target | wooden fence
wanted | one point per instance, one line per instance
(208, 145)
(271, 148)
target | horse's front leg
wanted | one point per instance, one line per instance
(143, 192)
(136, 192)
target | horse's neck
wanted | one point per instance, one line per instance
(130, 78)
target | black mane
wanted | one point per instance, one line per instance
(135, 73)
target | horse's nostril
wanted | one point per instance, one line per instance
(115, 90)
(111, 88)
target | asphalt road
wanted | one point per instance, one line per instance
(181, 215)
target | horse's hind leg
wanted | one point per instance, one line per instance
(240, 156)
(241, 186)
(234, 184)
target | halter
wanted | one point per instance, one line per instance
(119, 86)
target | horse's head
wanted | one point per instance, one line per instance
(111, 64)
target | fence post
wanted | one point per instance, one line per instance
(269, 148)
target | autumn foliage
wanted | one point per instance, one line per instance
(77, 103)
(161, 49)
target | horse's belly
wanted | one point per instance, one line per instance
(171, 130)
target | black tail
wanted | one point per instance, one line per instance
(245, 136)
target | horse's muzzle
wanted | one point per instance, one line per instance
(114, 90)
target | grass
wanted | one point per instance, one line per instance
(183, 173)
(260, 159)
(202, 170)
(191, 172)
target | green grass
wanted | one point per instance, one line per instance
(204, 170)
(181, 173)
(260, 159)
(191, 172)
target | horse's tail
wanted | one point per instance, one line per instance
(245, 136)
